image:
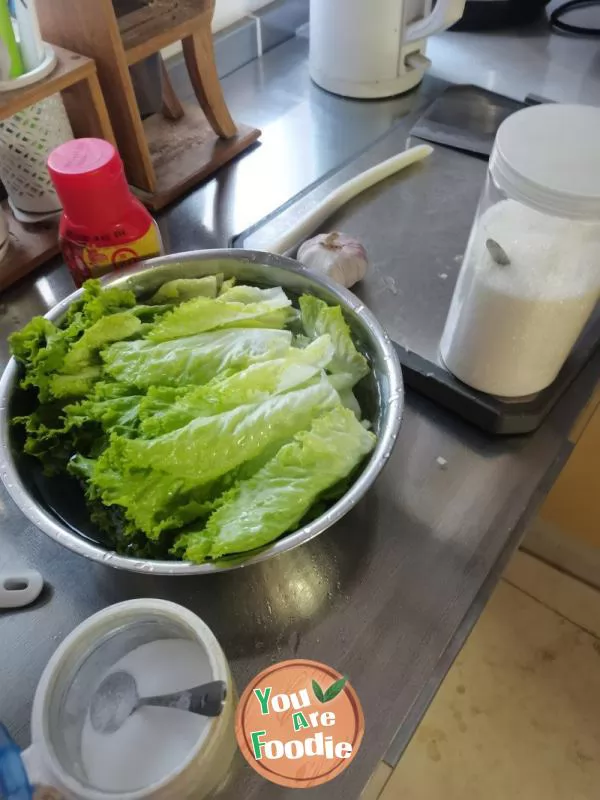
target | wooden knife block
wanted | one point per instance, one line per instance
(164, 156)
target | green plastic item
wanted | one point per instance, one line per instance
(8, 42)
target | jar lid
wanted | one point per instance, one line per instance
(548, 157)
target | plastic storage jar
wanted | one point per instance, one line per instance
(530, 277)
(64, 758)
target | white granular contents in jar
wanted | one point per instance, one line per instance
(153, 742)
(510, 328)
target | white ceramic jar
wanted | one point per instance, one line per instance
(64, 692)
(530, 277)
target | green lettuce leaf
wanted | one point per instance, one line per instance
(268, 310)
(73, 386)
(209, 447)
(158, 401)
(192, 360)
(109, 329)
(113, 406)
(171, 412)
(149, 313)
(116, 531)
(349, 400)
(227, 285)
(251, 294)
(41, 346)
(163, 483)
(182, 289)
(317, 319)
(163, 411)
(151, 500)
(258, 510)
(95, 302)
(47, 438)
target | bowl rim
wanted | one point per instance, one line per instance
(388, 433)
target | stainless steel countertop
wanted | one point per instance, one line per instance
(530, 60)
(389, 595)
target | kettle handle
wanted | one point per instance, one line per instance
(445, 13)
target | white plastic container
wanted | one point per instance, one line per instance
(4, 235)
(530, 277)
(67, 684)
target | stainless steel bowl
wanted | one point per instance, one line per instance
(253, 267)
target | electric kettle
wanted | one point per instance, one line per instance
(374, 48)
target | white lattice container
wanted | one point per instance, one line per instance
(26, 139)
(4, 235)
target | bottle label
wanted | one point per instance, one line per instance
(91, 260)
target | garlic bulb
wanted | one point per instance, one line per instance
(336, 255)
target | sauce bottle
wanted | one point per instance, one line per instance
(103, 226)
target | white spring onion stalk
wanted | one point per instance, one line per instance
(343, 194)
(340, 257)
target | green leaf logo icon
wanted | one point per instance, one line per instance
(335, 689)
(331, 693)
(318, 692)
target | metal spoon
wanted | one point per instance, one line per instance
(117, 698)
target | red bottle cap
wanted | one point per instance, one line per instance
(89, 179)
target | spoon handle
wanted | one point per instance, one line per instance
(206, 699)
